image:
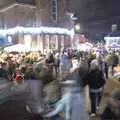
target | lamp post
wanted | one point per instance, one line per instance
(73, 18)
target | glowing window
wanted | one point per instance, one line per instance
(28, 41)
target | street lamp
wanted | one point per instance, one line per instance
(77, 27)
(74, 17)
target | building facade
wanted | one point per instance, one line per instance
(36, 13)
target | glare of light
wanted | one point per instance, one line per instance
(3, 32)
(77, 27)
(35, 30)
(72, 33)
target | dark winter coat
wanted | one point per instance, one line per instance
(94, 79)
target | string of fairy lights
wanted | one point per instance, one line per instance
(37, 30)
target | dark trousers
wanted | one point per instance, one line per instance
(95, 99)
(56, 70)
(113, 69)
(106, 74)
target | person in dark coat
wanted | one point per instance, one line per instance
(95, 82)
(115, 61)
(4, 74)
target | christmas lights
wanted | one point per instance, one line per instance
(37, 30)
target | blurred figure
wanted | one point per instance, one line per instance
(103, 66)
(95, 81)
(70, 53)
(112, 110)
(71, 103)
(4, 74)
(57, 63)
(50, 58)
(106, 70)
(115, 61)
(50, 61)
(64, 62)
(114, 31)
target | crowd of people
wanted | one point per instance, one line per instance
(94, 69)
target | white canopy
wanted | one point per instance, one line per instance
(16, 48)
(84, 47)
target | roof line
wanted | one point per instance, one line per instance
(6, 8)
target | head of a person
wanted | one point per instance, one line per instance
(113, 52)
(114, 27)
(83, 69)
(94, 66)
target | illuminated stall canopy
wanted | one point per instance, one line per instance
(112, 42)
(16, 48)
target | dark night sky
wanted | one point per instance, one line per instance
(96, 16)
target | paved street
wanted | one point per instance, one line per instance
(14, 109)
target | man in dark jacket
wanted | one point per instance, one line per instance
(95, 81)
(114, 60)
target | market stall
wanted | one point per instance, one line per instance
(84, 46)
(16, 48)
(112, 43)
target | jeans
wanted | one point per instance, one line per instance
(95, 99)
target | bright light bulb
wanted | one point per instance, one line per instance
(77, 27)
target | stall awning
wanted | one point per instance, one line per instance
(16, 48)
